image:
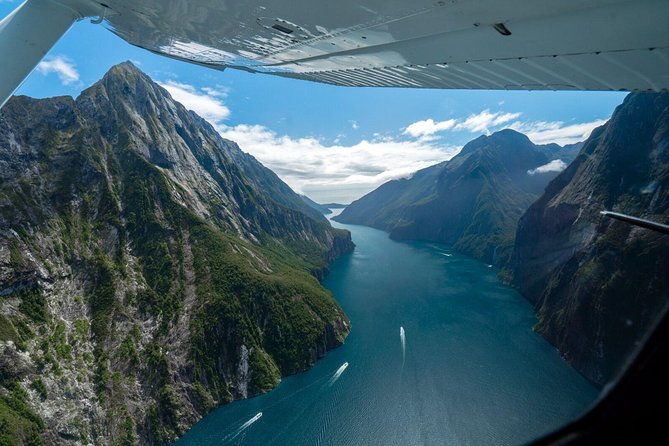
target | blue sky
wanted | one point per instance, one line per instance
(332, 143)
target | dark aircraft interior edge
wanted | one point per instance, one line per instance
(633, 408)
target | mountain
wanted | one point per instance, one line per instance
(149, 269)
(323, 209)
(599, 284)
(566, 153)
(264, 179)
(471, 202)
(320, 208)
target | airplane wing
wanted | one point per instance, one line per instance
(460, 44)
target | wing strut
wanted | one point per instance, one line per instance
(26, 35)
(653, 226)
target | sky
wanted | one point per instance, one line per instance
(333, 144)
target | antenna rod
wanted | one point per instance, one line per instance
(653, 226)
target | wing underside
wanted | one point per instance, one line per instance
(461, 44)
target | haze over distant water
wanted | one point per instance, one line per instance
(474, 372)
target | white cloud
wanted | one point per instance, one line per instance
(328, 172)
(542, 132)
(553, 166)
(428, 127)
(539, 132)
(221, 91)
(203, 102)
(332, 171)
(339, 172)
(62, 66)
(484, 121)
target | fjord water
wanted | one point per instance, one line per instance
(468, 368)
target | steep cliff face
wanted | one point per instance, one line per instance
(149, 270)
(598, 284)
(471, 202)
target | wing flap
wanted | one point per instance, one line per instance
(619, 70)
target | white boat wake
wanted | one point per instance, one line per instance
(243, 427)
(404, 344)
(338, 373)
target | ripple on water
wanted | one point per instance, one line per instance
(474, 371)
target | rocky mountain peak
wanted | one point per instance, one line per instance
(128, 96)
(130, 229)
(125, 69)
(508, 141)
(126, 81)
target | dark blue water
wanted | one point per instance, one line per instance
(473, 372)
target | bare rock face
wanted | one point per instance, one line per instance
(597, 284)
(149, 269)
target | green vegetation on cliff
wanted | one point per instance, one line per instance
(19, 425)
(149, 268)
